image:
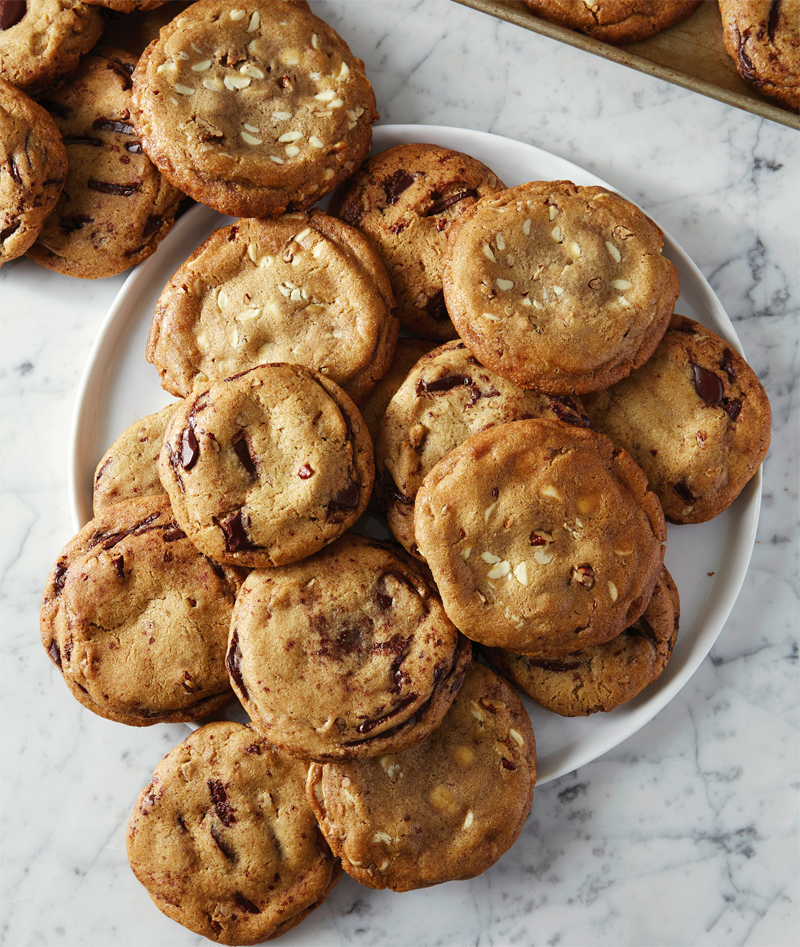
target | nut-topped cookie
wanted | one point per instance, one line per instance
(116, 207)
(601, 678)
(447, 397)
(405, 200)
(267, 467)
(224, 840)
(542, 538)
(33, 168)
(345, 655)
(255, 109)
(558, 287)
(443, 811)
(695, 418)
(304, 288)
(136, 619)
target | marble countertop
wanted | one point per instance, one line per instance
(686, 833)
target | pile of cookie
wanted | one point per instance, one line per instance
(524, 452)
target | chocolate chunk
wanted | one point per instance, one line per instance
(385, 601)
(152, 224)
(254, 748)
(436, 308)
(233, 662)
(11, 12)
(113, 125)
(244, 905)
(222, 845)
(5, 234)
(60, 576)
(173, 533)
(441, 385)
(75, 222)
(220, 800)
(446, 202)
(345, 500)
(772, 20)
(396, 184)
(55, 653)
(732, 407)
(135, 147)
(242, 451)
(683, 491)
(121, 190)
(391, 491)
(369, 725)
(707, 385)
(726, 364)
(190, 449)
(14, 169)
(119, 564)
(236, 538)
(566, 410)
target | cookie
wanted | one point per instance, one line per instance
(127, 6)
(542, 538)
(136, 619)
(447, 397)
(405, 200)
(557, 287)
(116, 207)
(253, 110)
(445, 810)
(694, 417)
(345, 655)
(305, 288)
(33, 168)
(267, 467)
(129, 468)
(224, 840)
(615, 21)
(762, 37)
(608, 675)
(42, 41)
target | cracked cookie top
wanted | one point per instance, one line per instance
(615, 21)
(253, 110)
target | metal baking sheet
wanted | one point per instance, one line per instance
(690, 54)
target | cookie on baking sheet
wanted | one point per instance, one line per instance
(116, 207)
(405, 200)
(305, 288)
(42, 41)
(694, 417)
(615, 21)
(253, 110)
(267, 467)
(542, 538)
(136, 619)
(33, 168)
(445, 810)
(763, 39)
(224, 839)
(558, 287)
(605, 676)
(447, 397)
(345, 655)
(129, 468)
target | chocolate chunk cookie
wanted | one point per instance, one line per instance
(405, 200)
(557, 287)
(543, 538)
(253, 110)
(305, 288)
(603, 677)
(345, 655)
(33, 168)
(447, 397)
(694, 417)
(129, 468)
(224, 840)
(445, 810)
(136, 619)
(763, 39)
(115, 207)
(267, 467)
(615, 21)
(42, 41)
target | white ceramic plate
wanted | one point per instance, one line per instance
(708, 562)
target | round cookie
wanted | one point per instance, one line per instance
(763, 39)
(607, 675)
(445, 810)
(116, 207)
(33, 168)
(42, 41)
(127, 6)
(267, 467)
(447, 397)
(405, 200)
(136, 619)
(345, 655)
(224, 840)
(558, 287)
(253, 110)
(615, 21)
(542, 538)
(694, 417)
(129, 468)
(305, 288)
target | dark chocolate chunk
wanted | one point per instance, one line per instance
(119, 564)
(113, 125)
(233, 662)
(707, 385)
(726, 364)
(152, 224)
(236, 538)
(135, 147)
(436, 308)
(772, 20)
(121, 190)
(446, 202)
(346, 499)
(173, 533)
(242, 451)
(60, 576)
(566, 410)
(11, 12)
(75, 222)
(396, 184)
(367, 726)
(244, 905)
(55, 653)
(5, 234)
(732, 407)
(222, 845)
(385, 601)
(683, 491)
(220, 800)
(190, 449)
(14, 168)
(444, 384)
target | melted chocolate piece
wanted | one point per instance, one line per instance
(772, 20)
(76, 222)
(113, 125)
(174, 533)
(441, 385)
(55, 653)
(119, 564)
(745, 62)
(222, 845)
(190, 449)
(5, 234)
(683, 491)
(11, 12)
(707, 385)
(385, 601)
(60, 577)
(242, 451)
(553, 665)
(396, 184)
(446, 202)
(233, 662)
(135, 147)
(244, 905)
(436, 308)
(726, 364)
(254, 748)
(345, 500)
(152, 224)
(14, 169)
(732, 407)
(121, 190)
(367, 726)
(220, 800)
(566, 410)
(236, 538)
(109, 540)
